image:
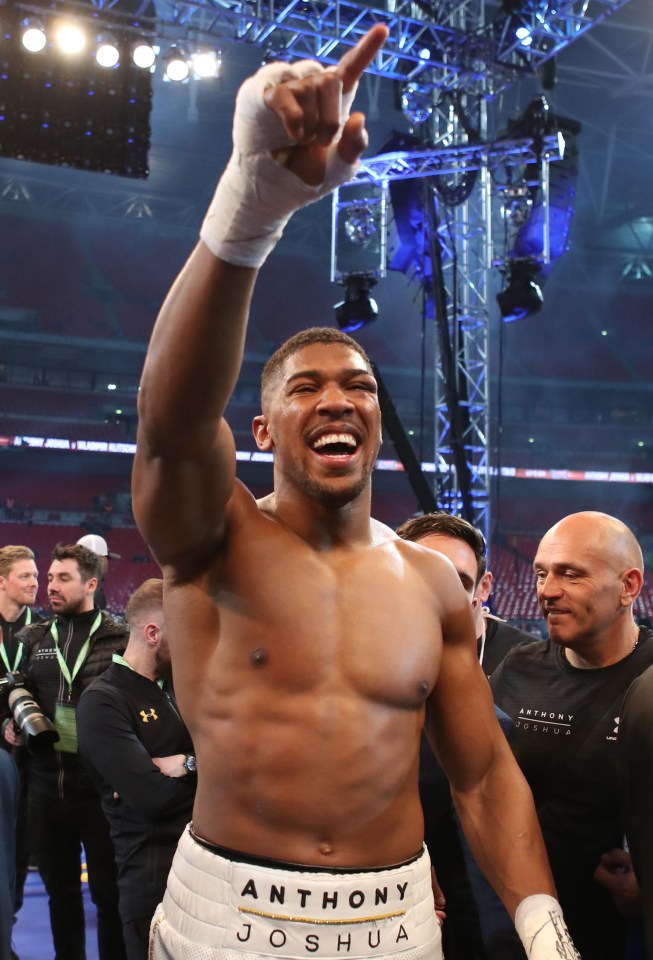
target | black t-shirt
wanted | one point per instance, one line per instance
(500, 637)
(635, 754)
(566, 744)
(8, 631)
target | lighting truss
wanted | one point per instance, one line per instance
(404, 165)
(448, 45)
(549, 28)
(463, 480)
(452, 47)
(466, 244)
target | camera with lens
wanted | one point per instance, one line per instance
(36, 729)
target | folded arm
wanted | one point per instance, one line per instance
(118, 761)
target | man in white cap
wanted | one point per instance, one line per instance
(96, 543)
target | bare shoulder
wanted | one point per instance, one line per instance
(439, 575)
(429, 562)
(433, 568)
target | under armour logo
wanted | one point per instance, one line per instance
(616, 720)
(150, 715)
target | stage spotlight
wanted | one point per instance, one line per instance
(517, 206)
(33, 38)
(144, 55)
(206, 64)
(107, 53)
(522, 297)
(360, 225)
(177, 66)
(68, 110)
(416, 102)
(358, 308)
(70, 38)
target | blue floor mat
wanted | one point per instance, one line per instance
(32, 937)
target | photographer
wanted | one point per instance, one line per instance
(19, 583)
(61, 657)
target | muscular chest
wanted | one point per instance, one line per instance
(353, 619)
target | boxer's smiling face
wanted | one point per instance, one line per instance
(323, 423)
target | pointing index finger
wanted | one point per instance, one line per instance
(355, 61)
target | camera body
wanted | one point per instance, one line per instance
(36, 729)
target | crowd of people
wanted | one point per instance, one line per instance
(119, 782)
(269, 803)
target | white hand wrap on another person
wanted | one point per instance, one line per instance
(257, 195)
(542, 929)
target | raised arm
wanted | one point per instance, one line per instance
(293, 143)
(491, 796)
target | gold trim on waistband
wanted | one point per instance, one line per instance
(341, 923)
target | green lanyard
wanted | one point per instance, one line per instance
(19, 651)
(116, 658)
(81, 656)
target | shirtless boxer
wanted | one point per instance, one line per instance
(309, 642)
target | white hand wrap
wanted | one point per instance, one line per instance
(256, 195)
(542, 929)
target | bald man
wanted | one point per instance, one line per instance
(565, 696)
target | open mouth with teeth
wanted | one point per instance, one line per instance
(335, 445)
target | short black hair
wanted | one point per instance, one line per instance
(447, 525)
(88, 562)
(305, 338)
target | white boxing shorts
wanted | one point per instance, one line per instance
(219, 908)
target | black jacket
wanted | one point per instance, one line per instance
(53, 774)
(124, 719)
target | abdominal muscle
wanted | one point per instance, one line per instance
(305, 699)
(316, 778)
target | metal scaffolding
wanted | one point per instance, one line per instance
(463, 237)
(489, 57)
(463, 53)
(448, 44)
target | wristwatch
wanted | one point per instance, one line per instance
(190, 763)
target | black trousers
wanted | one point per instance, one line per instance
(22, 839)
(137, 937)
(57, 831)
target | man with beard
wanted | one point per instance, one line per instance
(566, 696)
(309, 643)
(61, 657)
(140, 757)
